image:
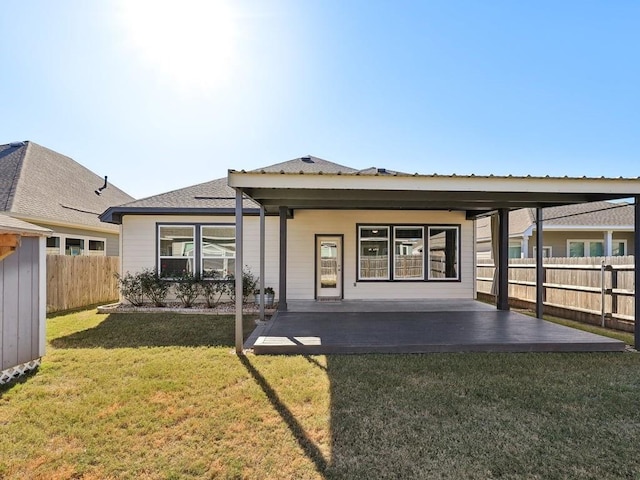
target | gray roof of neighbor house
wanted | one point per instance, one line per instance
(593, 214)
(40, 185)
(215, 196)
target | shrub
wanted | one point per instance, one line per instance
(154, 286)
(187, 289)
(249, 282)
(212, 287)
(131, 288)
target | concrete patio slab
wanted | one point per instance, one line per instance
(416, 327)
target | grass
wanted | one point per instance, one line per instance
(625, 337)
(162, 397)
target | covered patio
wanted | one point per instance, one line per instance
(345, 327)
(353, 325)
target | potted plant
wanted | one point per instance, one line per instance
(269, 296)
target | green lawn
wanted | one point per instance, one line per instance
(163, 396)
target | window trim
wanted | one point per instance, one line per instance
(587, 245)
(197, 239)
(458, 230)
(359, 228)
(62, 239)
(393, 244)
(544, 247)
(425, 227)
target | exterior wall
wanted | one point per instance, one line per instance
(558, 240)
(139, 248)
(21, 314)
(306, 224)
(112, 247)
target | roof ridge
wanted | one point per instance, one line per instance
(15, 182)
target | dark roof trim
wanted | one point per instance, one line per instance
(115, 214)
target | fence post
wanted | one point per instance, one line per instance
(602, 290)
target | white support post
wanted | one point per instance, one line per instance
(238, 272)
(524, 247)
(608, 243)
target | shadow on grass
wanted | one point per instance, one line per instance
(307, 445)
(132, 330)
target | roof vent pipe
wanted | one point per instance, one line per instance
(382, 170)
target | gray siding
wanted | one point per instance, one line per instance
(19, 312)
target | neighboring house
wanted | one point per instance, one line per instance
(22, 296)
(584, 230)
(45, 188)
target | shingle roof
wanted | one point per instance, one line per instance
(38, 183)
(13, 225)
(217, 194)
(595, 213)
(213, 194)
(308, 164)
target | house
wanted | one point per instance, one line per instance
(46, 188)
(582, 230)
(193, 228)
(22, 296)
(324, 231)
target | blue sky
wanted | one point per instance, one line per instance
(165, 97)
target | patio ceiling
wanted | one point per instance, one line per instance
(474, 194)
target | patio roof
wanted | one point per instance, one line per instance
(474, 194)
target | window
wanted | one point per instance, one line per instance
(176, 245)
(373, 253)
(546, 252)
(73, 246)
(207, 250)
(218, 247)
(443, 253)
(594, 248)
(408, 257)
(515, 251)
(53, 246)
(96, 247)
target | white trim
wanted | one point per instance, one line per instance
(388, 228)
(85, 251)
(438, 183)
(544, 247)
(103, 228)
(407, 227)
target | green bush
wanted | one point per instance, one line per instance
(187, 288)
(213, 287)
(154, 286)
(131, 288)
(249, 282)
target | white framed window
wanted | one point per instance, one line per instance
(515, 250)
(218, 250)
(408, 258)
(205, 250)
(176, 250)
(74, 245)
(594, 248)
(443, 260)
(546, 252)
(373, 252)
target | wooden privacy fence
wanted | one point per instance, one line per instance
(80, 281)
(596, 286)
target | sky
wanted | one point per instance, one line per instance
(161, 95)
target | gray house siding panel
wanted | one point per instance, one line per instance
(10, 312)
(19, 320)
